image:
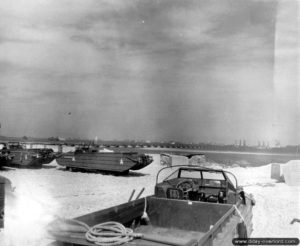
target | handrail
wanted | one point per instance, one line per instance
(236, 182)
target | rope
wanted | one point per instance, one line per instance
(110, 233)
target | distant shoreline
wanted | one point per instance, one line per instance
(230, 157)
(220, 151)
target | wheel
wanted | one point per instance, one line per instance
(186, 186)
(2, 214)
(242, 230)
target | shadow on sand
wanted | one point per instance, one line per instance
(7, 169)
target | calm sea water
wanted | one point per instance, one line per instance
(230, 158)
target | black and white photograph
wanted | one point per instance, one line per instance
(149, 122)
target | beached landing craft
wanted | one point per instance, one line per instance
(5, 189)
(93, 159)
(15, 155)
(3, 158)
(193, 206)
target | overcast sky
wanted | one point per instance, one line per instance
(199, 71)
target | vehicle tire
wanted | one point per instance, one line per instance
(242, 230)
(2, 214)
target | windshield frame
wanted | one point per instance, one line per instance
(188, 167)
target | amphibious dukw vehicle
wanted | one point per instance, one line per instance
(193, 206)
(15, 154)
(95, 159)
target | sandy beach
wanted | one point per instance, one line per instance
(218, 78)
(44, 194)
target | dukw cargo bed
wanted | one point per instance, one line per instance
(172, 222)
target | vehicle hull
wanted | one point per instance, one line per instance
(26, 158)
(119, 162)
